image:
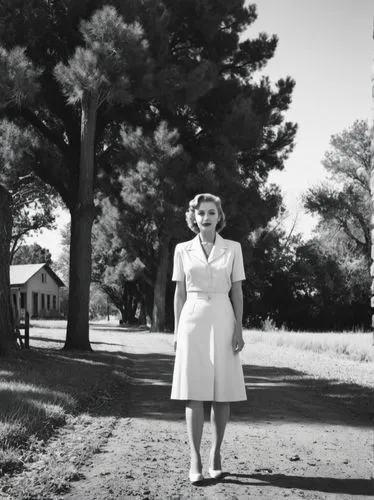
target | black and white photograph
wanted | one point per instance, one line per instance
(186, 249)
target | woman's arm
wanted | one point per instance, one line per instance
(179, 300)
(236, 294)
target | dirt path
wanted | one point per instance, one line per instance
(295, 437)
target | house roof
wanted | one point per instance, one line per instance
(20, 274)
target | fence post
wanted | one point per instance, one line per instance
(27, 330)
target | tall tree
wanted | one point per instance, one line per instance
(372, 198)
(231, 130)
(7, 337)
(79, 68)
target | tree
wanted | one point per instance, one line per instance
(320, 284)
(19, 189)
(117, 273)
(33, 202)
(151, 192)
(344, 204)
(269, 287)
(33, 210)
(330, 289)
(74, 73)
(231, 132)
(344, 207)
(32, 254)
(7, 337)
(372, 202)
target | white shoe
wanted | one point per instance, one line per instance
(215, 474)
(195, 478)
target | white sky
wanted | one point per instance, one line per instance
(326, 46)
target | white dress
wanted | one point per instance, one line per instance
(206, 368)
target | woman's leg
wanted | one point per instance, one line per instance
(219, 417)
(195, 423)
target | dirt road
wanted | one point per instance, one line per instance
(295, 437)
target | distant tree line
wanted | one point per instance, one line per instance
(323, 283)
(320, 284)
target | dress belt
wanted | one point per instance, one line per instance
(206, 295)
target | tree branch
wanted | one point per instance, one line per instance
(31, 118)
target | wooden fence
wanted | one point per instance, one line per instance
(25, 338)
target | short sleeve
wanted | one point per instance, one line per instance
(178, 272)
(237, 273)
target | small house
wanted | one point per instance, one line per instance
(35, 289)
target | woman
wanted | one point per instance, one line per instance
(208, 327)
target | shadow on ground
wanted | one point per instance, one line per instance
(62, 342)
(322, 484)
(273, 394)
(138, 385)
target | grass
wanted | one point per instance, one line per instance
(43, 393)
(354, 346)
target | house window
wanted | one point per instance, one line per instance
(23, 300)
(43, 301)
(48, 302)
(54, 302)
(44, 278)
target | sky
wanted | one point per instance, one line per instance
(327, 47)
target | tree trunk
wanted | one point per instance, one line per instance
(134, 308)
(82, 216)
(7, 337)
(372, 203)
(159, 299)
(122, 310)
(142, 320)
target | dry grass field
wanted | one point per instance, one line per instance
(354, 346)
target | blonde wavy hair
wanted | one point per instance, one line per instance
(194, 205)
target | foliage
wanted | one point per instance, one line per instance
(317, 285)
(340, 252)
(344, 205)
(115, 271)
(99, 305)
(331, 293)
(211, 127)
(268, 289)
(33, 202)
(61, 266)
(32, 254)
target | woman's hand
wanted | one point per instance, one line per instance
(237, 339)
